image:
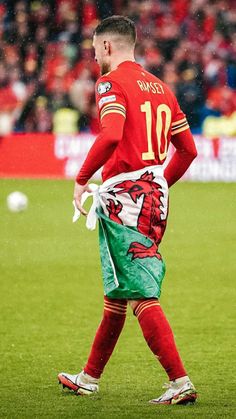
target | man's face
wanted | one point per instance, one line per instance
(102, 53)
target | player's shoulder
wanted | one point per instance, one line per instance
(105, 82)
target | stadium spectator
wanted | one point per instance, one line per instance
(39, 118)
(45, 52)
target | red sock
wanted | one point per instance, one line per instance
(106, 336)
(159, 337)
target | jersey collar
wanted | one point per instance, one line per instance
(128, 63)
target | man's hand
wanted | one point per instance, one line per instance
(78, 192)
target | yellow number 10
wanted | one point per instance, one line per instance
(160, 127)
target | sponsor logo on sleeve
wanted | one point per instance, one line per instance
(104, 87)
(106, 99)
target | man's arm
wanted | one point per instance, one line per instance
(103, 147)
(185, 153)
(111, 106)
(105, 144)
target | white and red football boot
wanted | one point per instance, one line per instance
(82, 383)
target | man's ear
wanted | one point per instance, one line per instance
(107, 47)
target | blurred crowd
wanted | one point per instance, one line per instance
(48, 72)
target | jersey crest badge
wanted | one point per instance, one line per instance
(104, 87)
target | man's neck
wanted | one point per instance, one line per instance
(117, 60)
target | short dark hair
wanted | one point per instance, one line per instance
(120, 25)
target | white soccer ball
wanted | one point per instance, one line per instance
(17, 201)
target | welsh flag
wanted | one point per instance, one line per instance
(132, 220)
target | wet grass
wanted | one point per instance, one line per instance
(52, 297)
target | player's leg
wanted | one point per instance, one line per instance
(107, 335)
(159, 337)
(103, 345)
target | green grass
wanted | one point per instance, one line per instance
(52, 299)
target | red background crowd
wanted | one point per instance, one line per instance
(48, 72)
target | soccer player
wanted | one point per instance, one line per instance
(139, 117)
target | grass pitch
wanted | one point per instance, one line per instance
(52, 299)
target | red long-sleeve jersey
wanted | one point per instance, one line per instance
(139, 116)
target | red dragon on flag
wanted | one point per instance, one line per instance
(149, 222)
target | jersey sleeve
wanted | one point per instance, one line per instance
(110, 99)
(112, 113)
(179, 122)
